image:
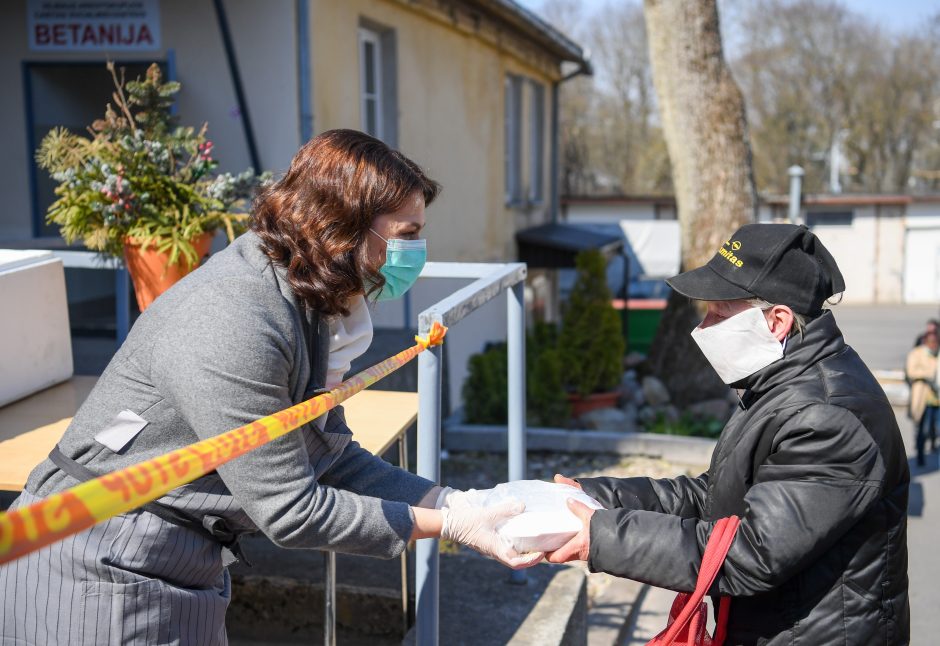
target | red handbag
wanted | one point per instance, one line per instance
(689, 614)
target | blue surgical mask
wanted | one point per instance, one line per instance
(404, 260)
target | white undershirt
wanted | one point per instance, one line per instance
(350, 337)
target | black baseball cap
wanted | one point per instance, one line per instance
(783, 264)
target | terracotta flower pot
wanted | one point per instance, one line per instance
(151, 272)
(581, 405)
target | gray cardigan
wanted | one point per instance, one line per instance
(222, 348)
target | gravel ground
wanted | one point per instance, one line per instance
(485, 470)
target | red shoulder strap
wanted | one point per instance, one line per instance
(715, 552)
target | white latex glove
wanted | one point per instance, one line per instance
(476, 527)
(457, 499)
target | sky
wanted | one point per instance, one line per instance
(898, 15)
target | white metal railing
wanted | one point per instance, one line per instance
(491, 281)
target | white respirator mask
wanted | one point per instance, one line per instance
(739, 346)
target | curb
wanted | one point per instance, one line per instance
(493, 439)
(894, 385)
(560, 616)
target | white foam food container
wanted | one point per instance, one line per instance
(547, 523)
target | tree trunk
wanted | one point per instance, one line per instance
(705, 127)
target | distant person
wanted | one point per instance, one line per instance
(812, 462)
(921, 372)
(933, 325)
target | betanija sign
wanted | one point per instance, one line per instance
(89, 25)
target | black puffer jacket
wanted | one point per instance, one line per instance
(814, 465)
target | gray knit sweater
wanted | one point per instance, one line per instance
(222, 348)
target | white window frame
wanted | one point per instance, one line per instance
(513, 133)
(373, 38)
(536, 142)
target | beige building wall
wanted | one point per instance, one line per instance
(450, 102)
(451, 116)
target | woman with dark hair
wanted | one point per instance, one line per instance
(270, 321)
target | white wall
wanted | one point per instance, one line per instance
(613, 212)
(922, 253)
(853, 247)
(466, 338)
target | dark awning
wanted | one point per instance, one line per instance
(554, 246)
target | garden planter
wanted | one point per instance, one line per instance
(151, 272)
(584, 404)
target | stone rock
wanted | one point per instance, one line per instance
(669, 413)
(718, 409)
(646, 415)
(630, 411)
(605, 419)
(633, 359)
(627, 388)
(639, 398)
(655, 391)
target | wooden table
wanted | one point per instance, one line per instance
(30, 427)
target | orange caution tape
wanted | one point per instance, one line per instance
(68, 512)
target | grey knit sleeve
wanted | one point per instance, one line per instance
(359, 471)
(227, 362)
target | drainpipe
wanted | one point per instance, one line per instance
(304, 76)
(237, 83)
(796, 191)
(584, 67)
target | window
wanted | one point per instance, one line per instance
(370, 75)
(513, 118)
(829, 218)
(525, 141)
(378, 90)
(536, 141)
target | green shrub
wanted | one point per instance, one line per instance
(547, 403)
(591, 341)
(687, 425)
(485, 393)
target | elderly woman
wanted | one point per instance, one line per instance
(267, 323)
(921, 372)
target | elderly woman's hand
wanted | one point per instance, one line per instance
(560, 479)
(579, 547)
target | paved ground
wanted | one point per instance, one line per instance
(882, 336)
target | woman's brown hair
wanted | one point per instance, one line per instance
(315, 219)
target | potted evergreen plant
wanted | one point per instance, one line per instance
(143, 188)
(591, 341)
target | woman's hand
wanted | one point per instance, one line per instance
(476, 527)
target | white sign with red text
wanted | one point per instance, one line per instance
(99, 25)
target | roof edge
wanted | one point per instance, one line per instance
(532, 25)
